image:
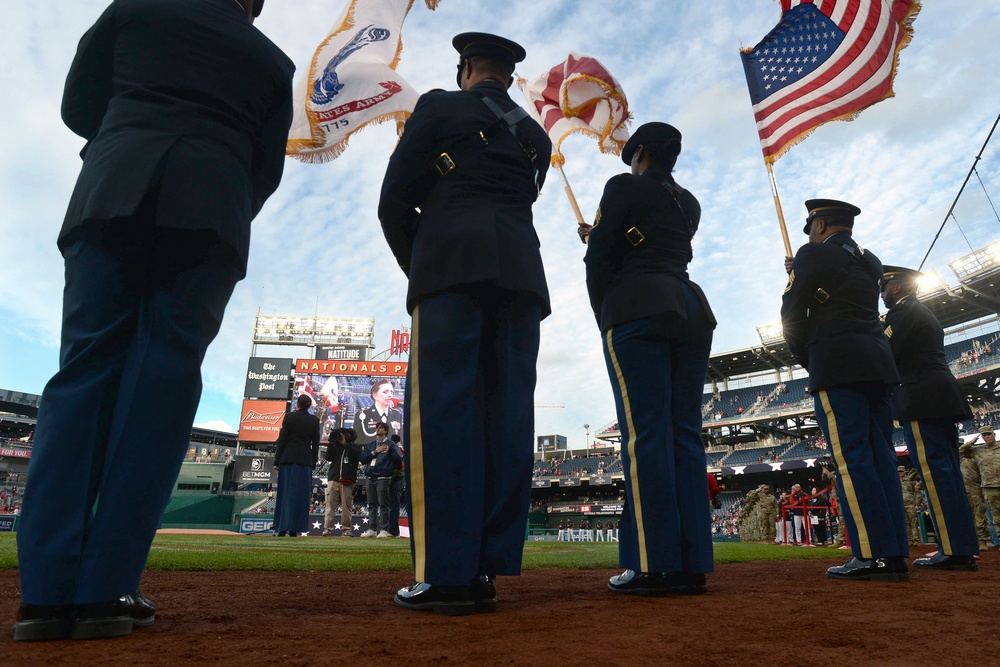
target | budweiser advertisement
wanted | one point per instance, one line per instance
(260, 421)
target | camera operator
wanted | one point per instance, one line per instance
(343, 455)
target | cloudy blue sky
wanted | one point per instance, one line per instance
(317, 246)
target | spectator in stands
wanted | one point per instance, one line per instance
(656, 328)
(927, 405)
(382, 411)
(296, 455)
(154, 240)
(830, 321)
(343, 454)
(383, 457)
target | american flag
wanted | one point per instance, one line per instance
(304, 386)
(579, 95)
(825, 60)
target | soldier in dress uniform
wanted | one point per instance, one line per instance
(829, 314)
(928, 404)
(185, 107)
(656, 327)
(987, 457)
(455, 209)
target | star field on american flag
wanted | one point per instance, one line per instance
(798, 45)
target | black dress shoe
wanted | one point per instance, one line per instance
(686, 583)
(115, 618)
(448, 600)
(648, 584)
(44, 623)
(941, 562)
(875, 569)
(484, 593)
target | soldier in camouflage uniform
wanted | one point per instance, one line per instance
(974, 491)
(987, 457)
(768, 510)
(912, 490)
(748, 520)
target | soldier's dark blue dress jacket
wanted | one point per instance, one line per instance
(629, 282)
(928, 389)
(474, 224)
(829, 315)
(221, 108)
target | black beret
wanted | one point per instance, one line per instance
(482, 44)
(830, 207)
(650, 133)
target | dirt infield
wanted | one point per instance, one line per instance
(773, 613)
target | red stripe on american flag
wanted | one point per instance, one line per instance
(831, 69)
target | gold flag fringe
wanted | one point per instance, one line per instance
(302, 151)
(312, 151)
(906, 25)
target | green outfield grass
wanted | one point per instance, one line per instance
(280, 554)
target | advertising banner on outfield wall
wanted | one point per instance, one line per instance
(268, 377)
(254, 470)
(355, 395)
(261, 421)
(616, 508)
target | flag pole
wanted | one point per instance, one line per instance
(572, 198)
(777, 207)
(557, 159)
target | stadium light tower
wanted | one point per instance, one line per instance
(770, 334)
(586, 437)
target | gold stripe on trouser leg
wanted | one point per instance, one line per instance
(845, 476)
(415, 446)
(940, 523)
(633, 468)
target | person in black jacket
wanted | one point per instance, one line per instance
(295, 458)
(656, 328)
(383, 458)
(185, 107)
(928, 404)
(343, 454)
(455, 209)
(829, 314)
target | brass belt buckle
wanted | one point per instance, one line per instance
(444, 164)
(635, 237)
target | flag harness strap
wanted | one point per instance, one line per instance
(445, 163)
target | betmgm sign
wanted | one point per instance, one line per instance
(254, 470)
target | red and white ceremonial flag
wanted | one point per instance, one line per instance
(579, 95)
(352, 81)
(825, 60)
